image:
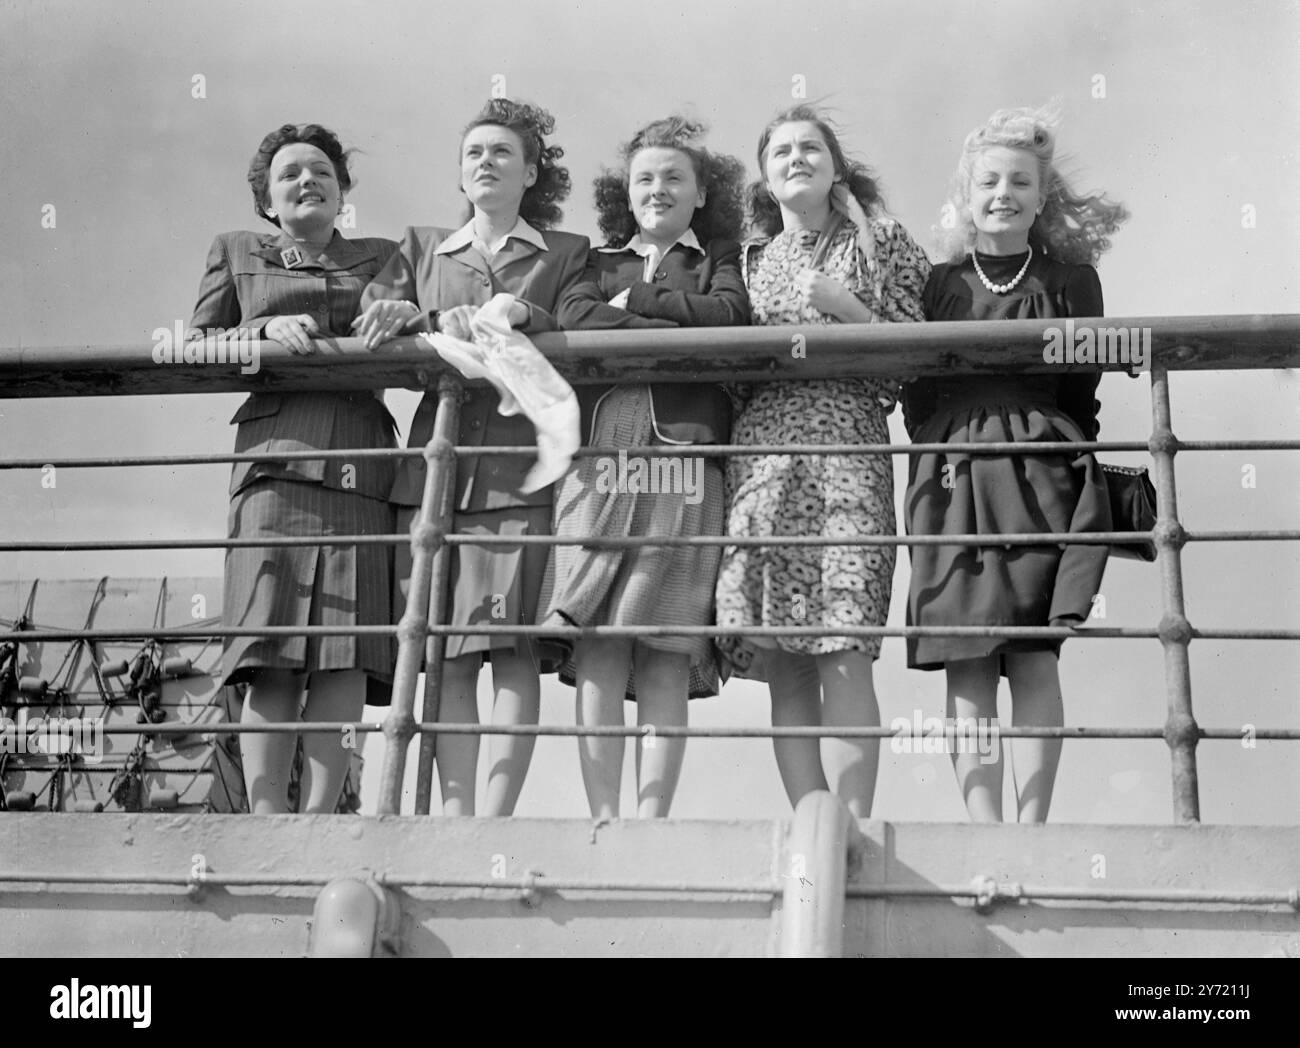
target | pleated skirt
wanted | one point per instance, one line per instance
(308, 585)
(615, 497)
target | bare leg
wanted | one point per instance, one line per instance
(796, 701)
(850, 701)
(973, 694)
(268, 758)
(517, 701)
(458, 754)
(1035, 701)
(662, 683)
(331, 696)
(601, 677)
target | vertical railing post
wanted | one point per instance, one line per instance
(812, 908)
(449, 395)
(428, 547)
(1181, 730)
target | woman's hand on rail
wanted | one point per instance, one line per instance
(384, 319)
(296, 332)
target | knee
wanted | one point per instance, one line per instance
(792, 672)
(667, 669)
(461, 670)
(844, 666)
(1035, 669)
(609, 652)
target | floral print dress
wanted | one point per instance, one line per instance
(841, 496)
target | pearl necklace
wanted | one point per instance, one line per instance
(1001, 289)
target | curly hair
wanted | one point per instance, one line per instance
(720, 176)
(259, 168)
(1072, 227)
(541, 204)
(765, 212)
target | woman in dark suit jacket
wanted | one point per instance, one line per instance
(301, 284)
(437, 281)
(671, 214)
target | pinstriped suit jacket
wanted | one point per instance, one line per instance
(461, 278)
(246, 284)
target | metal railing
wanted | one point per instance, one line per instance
(716, 354)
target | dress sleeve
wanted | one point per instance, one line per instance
(1077, 393)
(724, 303)
(918, 394)
(218, 305)
(584, 305)
(905, 271)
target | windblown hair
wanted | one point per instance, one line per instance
(541, 203)
(259, 168)
(1073, 227)
(765, 212)
(721, 177)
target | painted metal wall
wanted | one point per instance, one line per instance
(528, 887)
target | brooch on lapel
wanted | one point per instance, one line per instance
(291, 257)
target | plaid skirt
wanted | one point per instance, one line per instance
(308, 585)
(618, 496)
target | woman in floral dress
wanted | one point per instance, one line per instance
(829, 256)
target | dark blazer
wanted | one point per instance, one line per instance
(436, 282)
(245, 285)
(689, 289)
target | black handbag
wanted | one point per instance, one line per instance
(1132, 507)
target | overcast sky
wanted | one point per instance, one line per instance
(1189, 113)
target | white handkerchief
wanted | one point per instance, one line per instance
(526, 382)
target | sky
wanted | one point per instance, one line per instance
(127, 133)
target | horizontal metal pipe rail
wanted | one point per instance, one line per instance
(1094, 538)
(721, 354)
(656, 451)
(1046, 538)
(1010, 731)
(998, 892)
(579, 632)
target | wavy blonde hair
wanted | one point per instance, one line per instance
(1072, 227)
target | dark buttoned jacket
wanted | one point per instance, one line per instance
(689, 288)
(439, 281)
(247, 282)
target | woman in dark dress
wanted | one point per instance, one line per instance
(672, 216)
(1022, 245)
(304, 282)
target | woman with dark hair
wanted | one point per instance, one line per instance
(671, 213)
(1020, 244)
(828, 254)
(303, 283)
(437, 281)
